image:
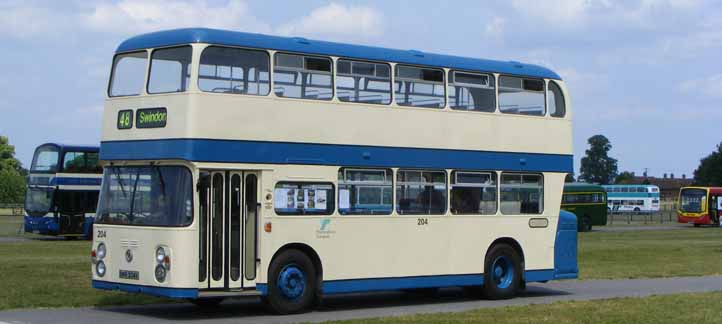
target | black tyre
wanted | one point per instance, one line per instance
(206, 302)
(291, 283)
(697, 225)
(585, 224)
(502, 272)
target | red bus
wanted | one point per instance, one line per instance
(699, 205)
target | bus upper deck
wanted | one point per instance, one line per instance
(62, 194)
(179, 91)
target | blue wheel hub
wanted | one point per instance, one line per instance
(291, 282)
(502, 272)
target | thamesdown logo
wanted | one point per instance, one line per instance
(323, 232)
(324, 223)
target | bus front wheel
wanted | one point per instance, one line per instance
(291, 283)
(502, 272)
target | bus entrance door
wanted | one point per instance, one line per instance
(228, 229)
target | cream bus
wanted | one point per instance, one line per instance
(239, 164)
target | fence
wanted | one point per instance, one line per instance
(667, 214)
(11, 210)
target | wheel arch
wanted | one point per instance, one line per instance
(511, 242)
(310, 252)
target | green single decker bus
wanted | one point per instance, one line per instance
(588, 202)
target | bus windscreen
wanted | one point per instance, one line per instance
(146, 196)
(45, 159)
(692, 200)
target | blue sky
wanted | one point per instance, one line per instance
(647, 74)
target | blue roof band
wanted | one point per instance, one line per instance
(302, 45)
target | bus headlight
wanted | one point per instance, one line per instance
(100, 252)
(160, 273)
(100, 269)
(162, 257)
(160, 254)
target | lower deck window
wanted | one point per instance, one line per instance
(522, 193)
(421, 192)
(303, 198)
(473, 193)
(364, 191)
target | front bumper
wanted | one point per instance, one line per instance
(148, 290)
(41, 225)
(702, 220)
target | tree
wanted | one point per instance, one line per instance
(569, 177)
(625, 177)
(12, 180)
(597, 166)
(12, 187)
(709, 171)
(7, 156)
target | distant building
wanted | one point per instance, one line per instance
(668, 185)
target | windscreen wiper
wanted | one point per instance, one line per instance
(122, 188)
(160, 178)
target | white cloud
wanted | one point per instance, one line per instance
(336, 20)
(710, 86)
(134, 16)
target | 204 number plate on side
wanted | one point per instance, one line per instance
(127, 274)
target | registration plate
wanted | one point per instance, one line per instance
(127, 274)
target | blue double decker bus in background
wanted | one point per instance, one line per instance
(62, 194)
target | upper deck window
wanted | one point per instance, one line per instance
(300, 76)
(81, 162)
(521, 96)
(419, 87)
(471, 91)
(170, 70)
(45, 159)
(557, 107)
(128, 74)
(363, 82)
(234, 70)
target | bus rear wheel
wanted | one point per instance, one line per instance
(502, 272)
(585, 224)
(291, 283)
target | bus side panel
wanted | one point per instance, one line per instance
(401, 246)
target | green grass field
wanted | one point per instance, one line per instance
(673, 309)
(56, 273)
(9, 225)
(649, 254)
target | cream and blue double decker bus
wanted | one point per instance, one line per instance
(239, 164)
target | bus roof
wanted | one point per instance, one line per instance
(302, 45)
(73, 147)
(582, 187)
(629, 185)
